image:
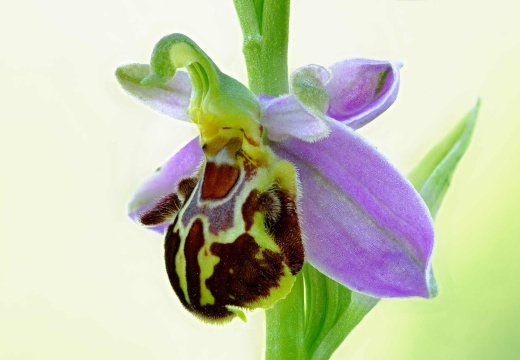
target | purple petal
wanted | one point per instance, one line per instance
(361, 89)
(164, 182)
(365, 225)
(285, 117)
(172, 98)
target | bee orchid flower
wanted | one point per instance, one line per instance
(272, 182)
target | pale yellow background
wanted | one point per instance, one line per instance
(78, 280)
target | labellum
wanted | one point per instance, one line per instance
(234, 241)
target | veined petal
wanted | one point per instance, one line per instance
(286, 117)
(172, 98)
(364, 224)
(163, 183)
(361, 89)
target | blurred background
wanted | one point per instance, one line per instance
(78, 280)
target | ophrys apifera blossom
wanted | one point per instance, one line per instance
(275, 181)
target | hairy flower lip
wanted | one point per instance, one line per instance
(393, 266)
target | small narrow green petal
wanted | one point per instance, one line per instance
(432, 176)
(308, 84)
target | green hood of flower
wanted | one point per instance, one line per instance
(217, 100)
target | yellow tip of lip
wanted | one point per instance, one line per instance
(237, 311)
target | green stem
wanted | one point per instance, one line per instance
(265, 25)
(285, 324)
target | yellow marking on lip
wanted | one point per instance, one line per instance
(180, 269)
(259, 233)
(276, 293)
(207, 262)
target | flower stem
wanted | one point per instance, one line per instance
(265, 25)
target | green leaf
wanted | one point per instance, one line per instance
(316, 304)
(432, 176)
(358, 308)
(332, 311)
(285, 324)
